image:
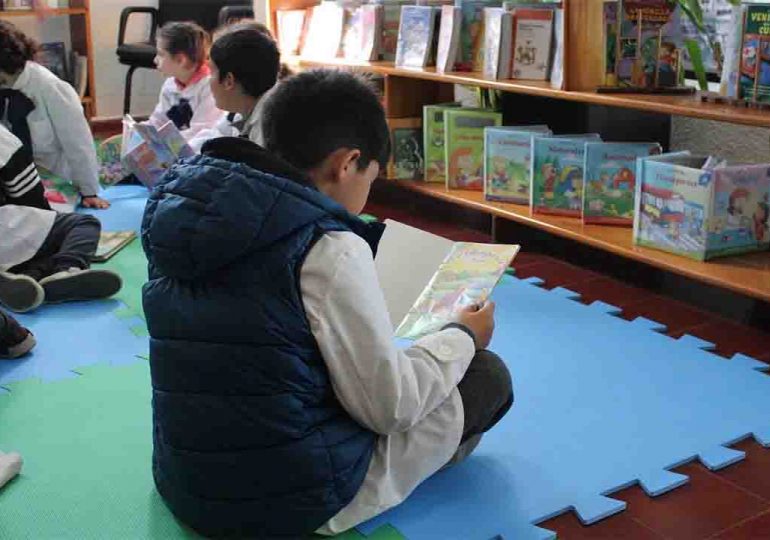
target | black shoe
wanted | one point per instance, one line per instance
(15, 340)
(77, 284)
(19, 292)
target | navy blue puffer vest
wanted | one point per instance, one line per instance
(249, 439)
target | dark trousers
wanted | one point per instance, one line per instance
(71, 243)
(487, 394)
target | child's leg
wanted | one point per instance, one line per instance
(487, 394)
(15, 340)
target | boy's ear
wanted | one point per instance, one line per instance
(229, 81)
(345, 163)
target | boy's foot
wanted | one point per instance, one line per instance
(15, 340)
(20, 293)
(78, 284)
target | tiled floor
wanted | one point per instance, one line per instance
(733, 503)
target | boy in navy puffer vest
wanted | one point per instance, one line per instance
(280, 403)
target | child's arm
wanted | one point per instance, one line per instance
(222, 127)
(385, 389)
(71, 129)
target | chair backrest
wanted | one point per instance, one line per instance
(203, 12)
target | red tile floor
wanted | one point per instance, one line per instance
(733, 503)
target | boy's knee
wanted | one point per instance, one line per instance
(497, 378)
(87, 220)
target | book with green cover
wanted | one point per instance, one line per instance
(464, 136)
(433, 141)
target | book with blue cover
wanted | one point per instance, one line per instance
(507, 162)
(415, 36)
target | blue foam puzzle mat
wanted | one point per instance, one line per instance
(600, 404)
(71, 335)
(127, 206)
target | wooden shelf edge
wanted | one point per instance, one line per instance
(50, 12)
(663, 104)
(748, 274)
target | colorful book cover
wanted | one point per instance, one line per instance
(610, 25)
(449, 39)
(61, 194)
(415, 36)
(464, 136)
(754, 77)
(150, 152)
(533, 37)
(507, 163)
(391, 20)
(433, 142)
(470, 55)
(610, 181)
(557, 175)
(467, 277)
(371, 31)
(408, 162)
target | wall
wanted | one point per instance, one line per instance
(742, 144)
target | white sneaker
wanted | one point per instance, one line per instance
(10, 466)
(78, 284)
(20, 293)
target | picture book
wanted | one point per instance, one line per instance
(557, 174)
(61, 195)
(291, 23)
(464, 136)
(470, 55)
(371, 32)
(449, 38)
(433, 142)
(110, 243)
(54, 57)
(391, 21)
(149, 152)
(497, 46)
(699, 212)
(351, 33)
(533, 33)
(415, 36)
(507, 162)
(444, 277)
(324, 34)
(754, 77)
(610, 181)
(610, 26)
(407, 162)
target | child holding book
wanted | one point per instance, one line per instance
(297, 413)
(185, 97)
(45, 113)
(44, 255)
(245, 64)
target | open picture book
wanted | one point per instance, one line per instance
(427, 279)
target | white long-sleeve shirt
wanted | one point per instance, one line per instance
(61, 139)
(232, 126)
(409, 397)
(198, 95)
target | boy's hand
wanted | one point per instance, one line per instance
(94, 201)
(481, 321)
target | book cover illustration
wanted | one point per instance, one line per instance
(149, 152)
(371, 31)
(507, 164)
(754, 76)
(391, 21)
(449, 39)
(434, 143)
(532, 44)
(557, 177)
(740, 211)
(110, 160)
(54, 57)
(467, 276)
(610, 181)
(408, 163)
(464, 136)
(470, 54)
(62, 196)
(415, 36)
(110, 243)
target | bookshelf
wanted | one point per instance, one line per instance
(80, 35)
(408, 90)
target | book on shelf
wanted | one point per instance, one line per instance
(149, 152)
(371, 31)
(17, 5)
(532, 41)
(754, 75)
(449, 38)
(701, 208)
(53, 56)
(470, 56)
(391, 21)
(110, 243)
(497, 46)
(610, 181)
(433, 141)
(407, 158)
(557, 174)
(444, 277)
(415, 36)
(324, 34)
(350, 48)
(464, 146)
(508, 162)
(291, 27)
(80, 74)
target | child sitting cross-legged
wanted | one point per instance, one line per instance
(281, 405)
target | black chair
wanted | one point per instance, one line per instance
(206, 13)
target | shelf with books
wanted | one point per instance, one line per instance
(681, 105)
(745, 274)
(51, 12)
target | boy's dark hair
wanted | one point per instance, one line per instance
(15, 48)
(185, 38)
(250, 54)
(310, 115)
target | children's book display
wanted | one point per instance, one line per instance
(497, 46)
(464, 146)
(610, 181)
(508, 162)
(643, 47)
(434, 148)
(371, 31)
(533, 31)
(148, 152)
(700, 207)
(754, 75)
(444, 277)
(449, 38)
(470, 55)
(407, 162)
(415, 36)
(557, 174)
(110, 243)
